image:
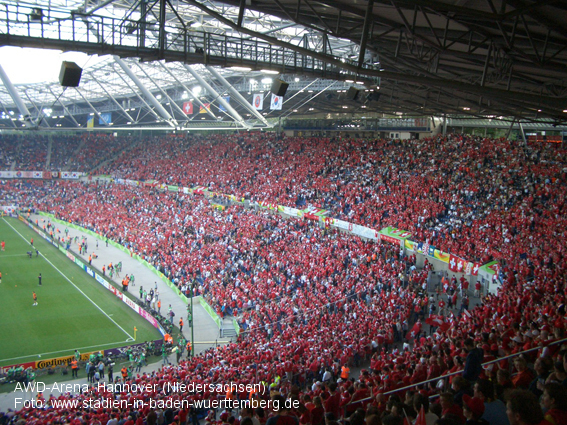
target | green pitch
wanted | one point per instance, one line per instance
(74, 311)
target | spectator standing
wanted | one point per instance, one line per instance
(473, 363)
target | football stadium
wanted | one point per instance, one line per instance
(264, 211)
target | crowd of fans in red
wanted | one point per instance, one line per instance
(311, 300)
(68, 153)
(436, 188)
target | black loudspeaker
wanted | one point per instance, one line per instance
(279, 87)
(352, 93)
(373, 96)
(70, 74)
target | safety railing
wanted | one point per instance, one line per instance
(449, 375)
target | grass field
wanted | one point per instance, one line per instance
(74, 311)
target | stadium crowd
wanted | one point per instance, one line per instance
(60, 153)
(437, 188)
(313, 302)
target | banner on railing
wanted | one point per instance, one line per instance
(70, 174)
(313, 213)
(472, 268)
(456, 264)
(491, 269)
(426, 249)
(25, 174)
(393, 235)
(8, 209)
(293, 212)
(150, 183)
(267, 205)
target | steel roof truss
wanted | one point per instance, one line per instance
(128, 116)
(58, 99)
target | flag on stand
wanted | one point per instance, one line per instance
(188, 108)
(276, 103)
(258, 101)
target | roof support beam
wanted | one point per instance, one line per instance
(487, 92)
(237, 95)
(100, 6)
(188, 90)
(162, 35)
(524, 9)
(235, 115)
(365, 29)
(113, 99)
(38, 110)
(151, 98)
(16, 98)
(92, 107)
(241, 12)
(58, 99)
(318, 16)
(171, 101)
(486, 63)
(137, 93)
(308, 100)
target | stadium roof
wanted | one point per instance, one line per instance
(423, 58)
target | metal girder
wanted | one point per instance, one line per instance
(237, 95)
(58, 99)
(235, 115)
(241, 12)
(171, 101)
(161, 110)
(487, 92)
(99, 6)
(188, 90)
(38, 110)
(161, 37)
(485, 70)
(446, 8)
(113, 99)
(534, 14)
(309, 100)
(92, 107)
(16, 97)
(365, 30)
(317, 15)
(137, 94)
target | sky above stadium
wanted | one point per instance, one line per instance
(26, 66)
